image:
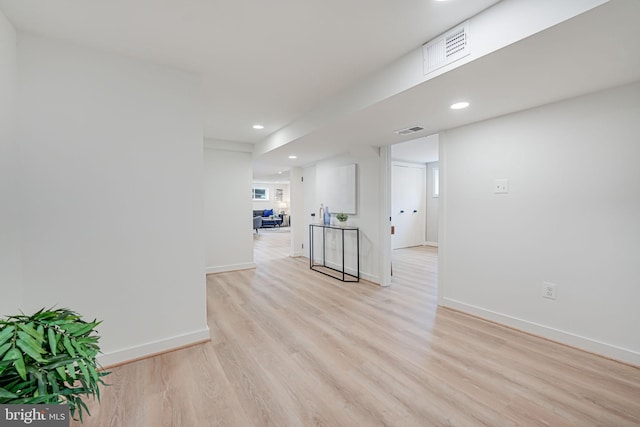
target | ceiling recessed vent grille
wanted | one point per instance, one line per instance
(407, 131)
(446, 48)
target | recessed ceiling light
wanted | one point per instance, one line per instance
(293, 157)
(459, 105)
(258, 127)
(279, 172)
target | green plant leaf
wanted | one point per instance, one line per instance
(82, 407)
(12, 354)
(36, 344)
(20, 387)
(61, 371)
(53, 382)
(31, 351)
(94, 374)
(83, 329)
(88, 340)
(53, 342)
(4, 365)
(6, 394)
(42, 386)
(68, 327)
(4, 348)
(6, 333)
(28, 328)
(85, 371)
(71, 370)
(67, 344)
(19, 364)
(59, 360)
(80, 349)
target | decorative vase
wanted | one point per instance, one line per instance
(327, 216)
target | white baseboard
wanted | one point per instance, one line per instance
(371, 278)
(573, 340)
(298, 253)
(152, 348)
(230, 267)
(434, 244)
(354, 272)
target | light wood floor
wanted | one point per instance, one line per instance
(291, 347)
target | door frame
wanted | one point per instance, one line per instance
(384, 170)
(385, 216)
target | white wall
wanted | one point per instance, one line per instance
(10, 274)
(368, 207)
(112, 187)
(431, 236)
(571, 217)
(228, 219)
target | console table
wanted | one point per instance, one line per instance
(323, 268)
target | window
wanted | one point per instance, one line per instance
(436, 182)
(260, 193)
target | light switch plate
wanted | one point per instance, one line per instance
(549, 290)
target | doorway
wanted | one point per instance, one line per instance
(271, 200)
(414, 186)
(405, 190)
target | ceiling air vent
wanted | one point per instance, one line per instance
(446, 48)
(407, 131)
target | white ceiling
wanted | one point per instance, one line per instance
(419, 150)
(272, 62)
(262, 62)
(593, 51)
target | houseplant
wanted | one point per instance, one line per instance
(49, 357)
(342, 217)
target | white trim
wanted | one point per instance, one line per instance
(354, 272)
(230, 267)
(371, 278)
(218, 144)
(384, 170)
(299, 253)
(422, 166)
(578, 341)
(364, 276)
(152, 348)
(442, 218)
(434, 244)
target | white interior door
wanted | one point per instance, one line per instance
(408, 198)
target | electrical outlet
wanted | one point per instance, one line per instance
(501, 186)
(549, 290)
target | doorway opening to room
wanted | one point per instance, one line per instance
(271, 202)
(415, 183)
